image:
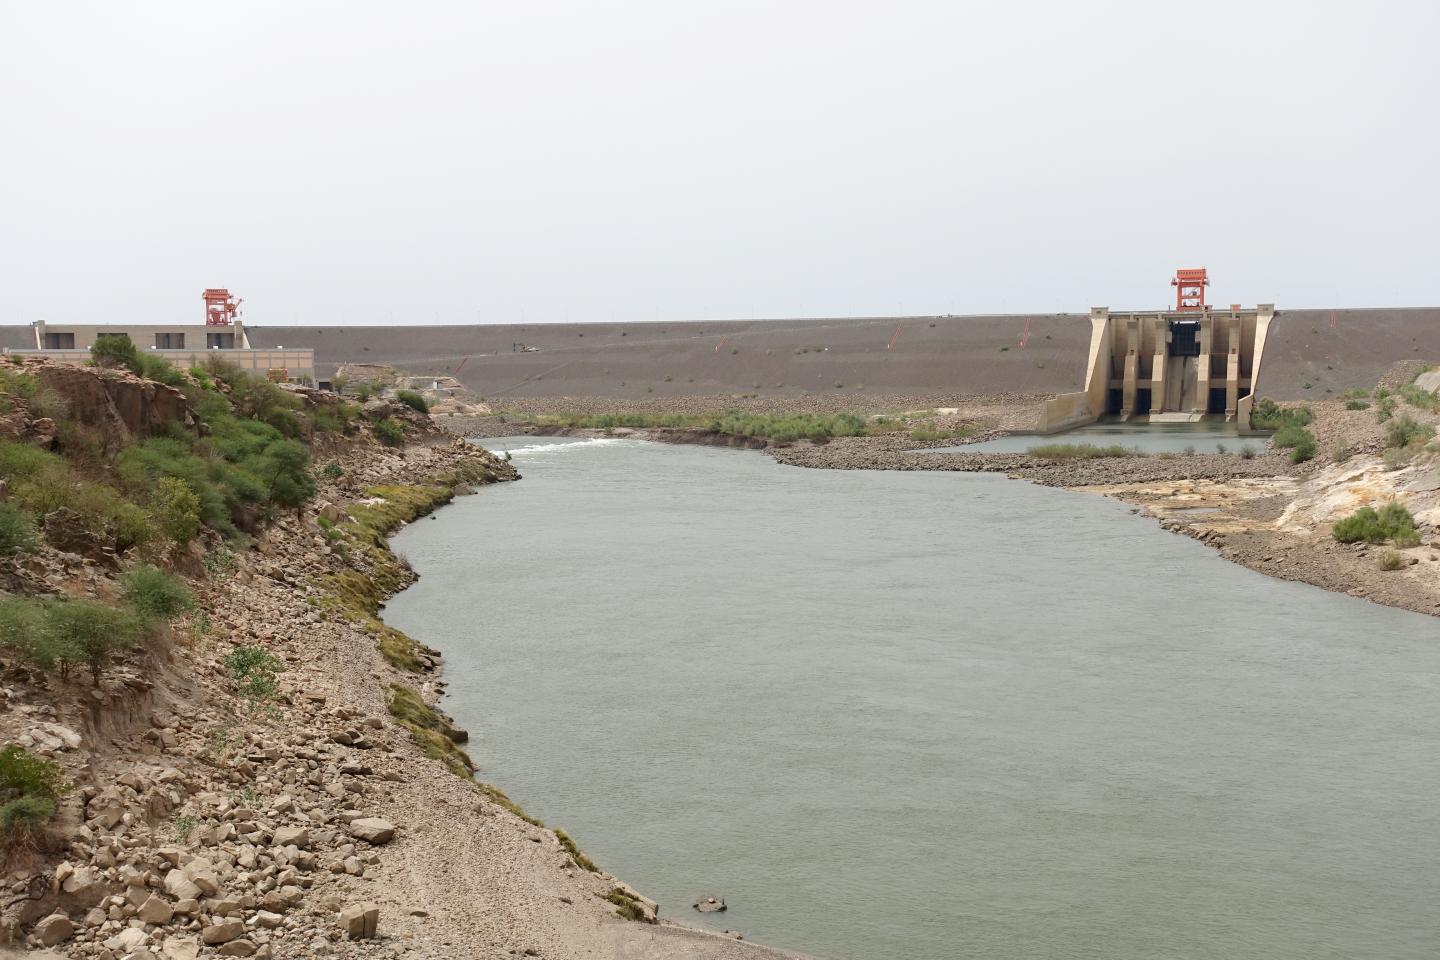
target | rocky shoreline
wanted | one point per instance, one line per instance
(336, 820)
(1240, 501)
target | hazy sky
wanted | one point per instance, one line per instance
(418, 161)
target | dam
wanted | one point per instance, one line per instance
(1186, 361)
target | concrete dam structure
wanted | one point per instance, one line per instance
(1085, 362)
(1169, 366)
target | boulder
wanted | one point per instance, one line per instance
(237, 948)
(155, 910)
(131, 938)
(84, 887)
(373, 830)
(360, 921)
(299, 836)
(180, 886)
(222, 931)
(66, 531)
(54, 929)
(180, 948)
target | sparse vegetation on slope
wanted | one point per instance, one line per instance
(1391, 522)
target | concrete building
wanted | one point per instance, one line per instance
(182, 344)
(1168, 366)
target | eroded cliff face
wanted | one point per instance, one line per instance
(122, 406)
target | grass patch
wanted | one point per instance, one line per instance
(777, 427)
(1081, 451)
(1357, 404)
(1389, 560)
(629, 907)
(582, 861)
(430, 729)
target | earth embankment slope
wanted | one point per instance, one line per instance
(978, 355)
(889, 355)
(1331, 350)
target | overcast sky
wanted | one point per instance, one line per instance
(364, 162)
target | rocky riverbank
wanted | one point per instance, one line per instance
(327, 812)
(1263, 512)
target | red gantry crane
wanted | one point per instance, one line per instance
(221, 309)
(1190, 290)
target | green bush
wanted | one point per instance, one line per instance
(22, 774)
(389, 433)
(1266, 414)
(1299, 441)
(17, 530)
(254, 670)
(114, 350)
(29, 789)
(413, 400)
(23, 631)
(155, 595)
(1405, 432)
(1357, 405)
(89, 632)
(1384, 406)
(1303, 449)
(1391, 522)
(1417, 397)
(176, 510)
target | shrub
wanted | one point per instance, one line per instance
(176, 510)
(1391, 522)
(29, 788)
(254, 670)
(1247, 452)
(114, 350)
(1304, 449)
(332, 471)
(1266, 414)
(85, 631)
(1417, 397)
(23, 633)
(22, 774)
(1406, 432)
(1357, 405)
(22, 822)
(17, 530)
(389, 433)
(155, 595)
(1384, 406)
(1390, 560)
(417, 402)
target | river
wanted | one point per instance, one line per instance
(899, 714)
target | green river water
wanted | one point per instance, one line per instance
(937, 715)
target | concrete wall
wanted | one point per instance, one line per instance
(297, 364)
(145, 336)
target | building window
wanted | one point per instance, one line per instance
(59, 341)
(169, 341)
(219, 341)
